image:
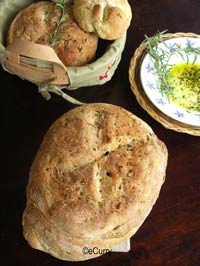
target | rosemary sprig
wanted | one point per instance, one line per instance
(62, 5)
(161, 58)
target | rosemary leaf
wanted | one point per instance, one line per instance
(62, 5)
(161, 57)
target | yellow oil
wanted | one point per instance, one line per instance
(184, 79)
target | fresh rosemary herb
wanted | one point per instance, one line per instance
(161, 60)
(62, 5)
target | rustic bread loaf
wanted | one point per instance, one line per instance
(47, 23)
(95, 178)
(108, 18)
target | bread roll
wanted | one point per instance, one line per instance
(38, 23)
(95, 178)
(108, 18)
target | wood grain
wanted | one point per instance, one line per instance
(170, 236)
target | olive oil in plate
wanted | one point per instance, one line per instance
(184, 79)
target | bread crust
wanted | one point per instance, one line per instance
(95, 178)
(108, 18)
(37, 23)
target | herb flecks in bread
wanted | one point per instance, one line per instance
(108, 18)
(95, 178)
(53, 24)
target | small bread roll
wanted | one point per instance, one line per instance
(108, 18)
(95, 178)
(38, 23)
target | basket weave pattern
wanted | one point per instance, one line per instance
(142, 98)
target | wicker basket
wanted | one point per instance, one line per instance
(142, 98)
(40, 65)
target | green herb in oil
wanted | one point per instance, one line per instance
(167, 79)
(186, 80)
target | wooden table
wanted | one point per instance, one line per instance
(170, 235)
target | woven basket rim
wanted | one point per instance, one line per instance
(142, 98)
(79, 76)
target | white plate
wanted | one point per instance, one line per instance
(150, 83)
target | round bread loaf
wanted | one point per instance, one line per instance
(108, 18)
(53, 25)
(95, 178)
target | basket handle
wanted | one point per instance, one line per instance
(35, 62)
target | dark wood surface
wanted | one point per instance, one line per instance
(170, 236)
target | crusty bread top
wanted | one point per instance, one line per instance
(96, 176)
(37, 23)
(108, 18)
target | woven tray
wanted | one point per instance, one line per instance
(142, 98)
